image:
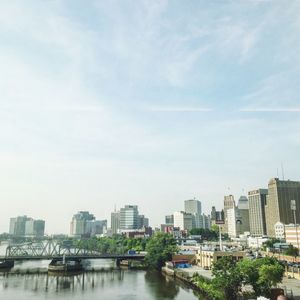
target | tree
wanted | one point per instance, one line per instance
(262, 274)
(160, 249)
(292, 251)
(227, 277)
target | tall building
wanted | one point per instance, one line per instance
(142, 221)
(192, 206)
(17, 226)
(213, 214)
(243, 215)
(257, 201)
(34, 228)
(278, 206)
(115, 222)
(183, 220)
(228, 204)
(79, 225)
(169, 220)
(129, 217)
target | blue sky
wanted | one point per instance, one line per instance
(107, 103)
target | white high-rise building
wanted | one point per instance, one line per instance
(183, 220)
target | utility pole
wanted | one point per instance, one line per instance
(293, 208)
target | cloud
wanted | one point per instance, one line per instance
(178, 109)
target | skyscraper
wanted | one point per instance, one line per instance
(17, 225)
(115, 222)
(257, 216)
(228, 203)
(129, 217)
(192, 206)
(78, 226)
(278, 206)
(34, 228)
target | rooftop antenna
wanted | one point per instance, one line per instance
(277, 173)
(282, 170)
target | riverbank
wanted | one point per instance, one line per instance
(186, 275)
(290, 285)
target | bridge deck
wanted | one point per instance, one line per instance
(96, 256)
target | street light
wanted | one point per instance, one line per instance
(293, 208)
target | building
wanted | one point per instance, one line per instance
(192, 206)
(292, 235)
(238, 218)
(243, 215)
(169, 220)
(142, 221)
(183, 220)
(278, 206)
(279, 231)
(95, 227)
(115, 222)
(206, 257)
(228, 204)
(24, 226)
(78, 226)
(129, 217)
(213, 214)
(34, 228)
(257, 217)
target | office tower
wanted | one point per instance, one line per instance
(129, 217)
(213, 214)
(192, 206)
(17, 225)
(34, 228)
(278, 206)
(95, 227)
(142, 221)
(183, 220)
(169, 220)
(115, 222)
(243, 215)
(228, 203)
(257, 216)
(78, 226)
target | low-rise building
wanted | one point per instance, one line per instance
(279, 231)
(292, 235)
(206, 257)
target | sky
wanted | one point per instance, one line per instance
(107, 103)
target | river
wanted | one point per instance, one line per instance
(105, 283)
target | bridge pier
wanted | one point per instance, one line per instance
(118, 262)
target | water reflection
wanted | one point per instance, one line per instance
(28, 280)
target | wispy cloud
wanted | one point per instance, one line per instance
(178, 109)
(270, 109)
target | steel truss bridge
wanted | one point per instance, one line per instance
(51, 249)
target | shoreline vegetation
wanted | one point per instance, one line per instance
(229, 276)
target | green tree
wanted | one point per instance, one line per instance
(269, 276)
(292, 251)
(160, 248)
(227, 277)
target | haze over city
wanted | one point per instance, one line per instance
(144, 102)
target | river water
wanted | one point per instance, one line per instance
(105, 283)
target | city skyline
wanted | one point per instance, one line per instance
(149, 103)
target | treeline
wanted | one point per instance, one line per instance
(159, 247)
